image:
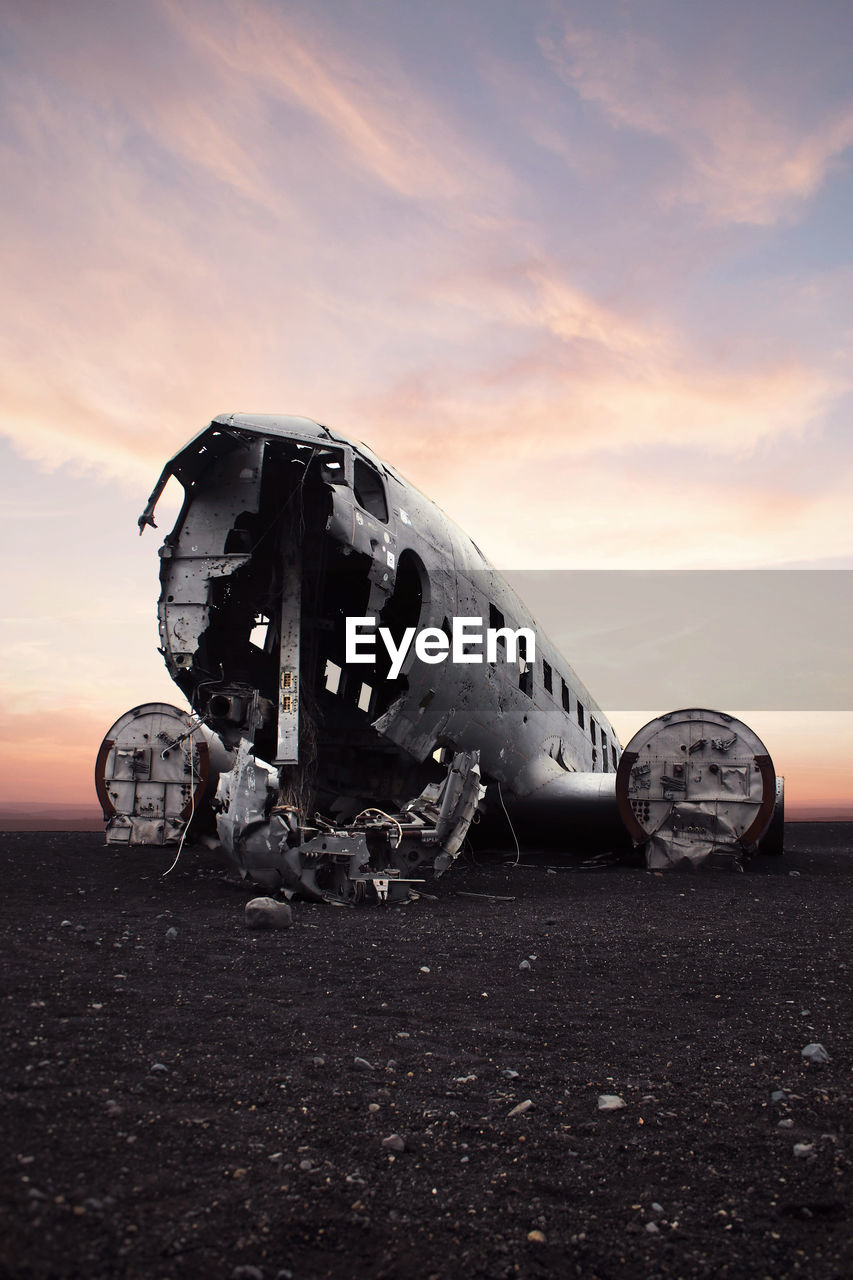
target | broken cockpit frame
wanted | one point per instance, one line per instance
(284, 533)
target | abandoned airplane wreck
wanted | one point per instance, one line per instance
(365, 686)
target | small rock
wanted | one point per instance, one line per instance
(525, 964)
(815, 1053)
(266, 913)
(159, 1069)
(318, 1061)
(171, 933)
(373, 1107)
(610, 1102)
(652, 1228)
(65, 924)
(793, 873)
(424, 968)
(306, 1165)
(802, 1150)
(656, 1208)
(778, 1095)
(536, 1237)
(520, 1109)
(785, 1124)
(509, 1074)
(362, 1064)
(247, 1273)
(393, 1143)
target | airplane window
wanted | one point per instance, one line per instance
(546, 676)
(525, 678)
(364, 695)
(604, 750)
(613, 754)
(592, 728)
(369, 490)
(567, 702)
(580, 714)
(497, 623)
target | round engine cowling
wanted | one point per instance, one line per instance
(694, 787)
(154, 771)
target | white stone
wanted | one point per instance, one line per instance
(610, 1102)
(266, 913)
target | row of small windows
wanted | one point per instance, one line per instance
(525, 684)
(594, 730)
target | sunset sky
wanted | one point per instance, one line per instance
(582, 271)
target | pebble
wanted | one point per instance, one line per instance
(657, 1208)
(520, 1109)
(266, 913)
(65, 924)
(536, 1237)
(247, 1273)
(424, 968)
(802, 1150)
(318, 1061)
(525, 964)
(172, 933)
(610, 1102)
(393, 1143)
(362, 1064)
(815, 1053)
(778, 1095)
(652, 1228)
(373, 1107)
(159, 1068)
(785, 1124)
(509, 1074)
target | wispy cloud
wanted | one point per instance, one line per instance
(744, 158)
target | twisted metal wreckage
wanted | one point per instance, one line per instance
(334, 761)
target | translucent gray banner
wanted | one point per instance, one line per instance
(761, 640)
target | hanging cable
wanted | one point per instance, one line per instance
(511, 827)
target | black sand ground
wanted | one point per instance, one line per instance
(189, 1105)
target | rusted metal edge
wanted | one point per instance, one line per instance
(107, 805)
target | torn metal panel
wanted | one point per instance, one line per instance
(696, 787)
(377, 854)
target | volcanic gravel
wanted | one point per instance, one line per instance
(414, 1091)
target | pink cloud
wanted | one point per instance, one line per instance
(744, 159)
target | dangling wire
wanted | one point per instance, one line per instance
(382, 814)
(189, 820)
(511, 827)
